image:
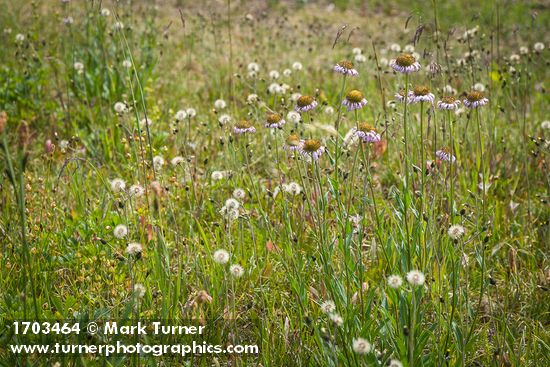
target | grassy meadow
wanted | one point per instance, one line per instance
(341, 184)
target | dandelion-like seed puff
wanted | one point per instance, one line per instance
(405, 63)
(354, 100)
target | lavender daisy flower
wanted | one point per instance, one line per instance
(244, 126)
(448, 103)
(405, 63)
(421, 94)
(305, 103)
(400, 97)
(445, 155)
(312, 148)
(293, 143)
(345, 67)
(274, 121)
(354, 100)
(474, 99)
(368, 133)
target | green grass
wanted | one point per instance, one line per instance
(364, 211)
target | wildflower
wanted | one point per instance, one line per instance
(479, 87)
(297, 66)
(293, 143)
(136, 190)
(217, 175)
(180, 115)
(224, 119)
(253, 67)
(139, 290)
(368, 133)
(305, 103)
(445, 155)
(191, 112)
(421, 94)
(475, 99)
(120, 231)
(176, 161)
(120, 107)
(275, 88)
(239, 194)
(221, 256)
(448, 103)
(360, 58)
(395, 363)
(415, 278)
(345, 67)
(523, 50)
(118, 185)
(293, 116)
(252, 98)
(395, 281)
(336, 319)
(448, 89)
(395, 47)
(328, 307)
(236, 270)
(105, 12)
(312, 148)
(78, 67)
(456, 231)
(145, 122)
(538, 47)
(292, 188)
(295, 96)
(134, 248)
(400, 96)
(354, 100)
(357, 51)
(405, 63)
(220, 104)
(243, 126)
(127, 64)
(361, 346)
(274, 74)
(274, 121)
(158, 162)
(329, 110)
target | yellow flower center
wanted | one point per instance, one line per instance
(421, 91)
(355, 96)
(312, 145)
(305, 101)
(243, 124)
(405, 60)
(474, 96)
(448, 100)
(366, 127)
(273, 118)
(346, 64)
(293, 140)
